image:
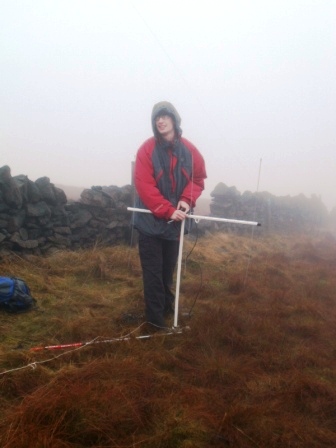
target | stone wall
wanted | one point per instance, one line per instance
(277, 214)
(35, 217)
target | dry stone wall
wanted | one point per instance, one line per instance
(277, 214)
(35, 217)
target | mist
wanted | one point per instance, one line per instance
(254, 83)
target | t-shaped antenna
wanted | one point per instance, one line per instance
(179, 259)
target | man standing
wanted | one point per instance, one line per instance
(169, 177)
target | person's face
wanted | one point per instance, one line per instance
(165, 126)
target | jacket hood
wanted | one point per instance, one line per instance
(164, 107)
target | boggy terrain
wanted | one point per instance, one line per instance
(254, 365)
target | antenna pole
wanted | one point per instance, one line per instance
(178, 277)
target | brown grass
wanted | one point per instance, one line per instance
(257, 367)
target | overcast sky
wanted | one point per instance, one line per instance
(254, 82)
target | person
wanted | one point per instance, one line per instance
(169, 177)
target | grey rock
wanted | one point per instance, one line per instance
(40, 209)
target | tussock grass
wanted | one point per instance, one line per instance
(255, 369)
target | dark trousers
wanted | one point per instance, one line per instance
(158, 260)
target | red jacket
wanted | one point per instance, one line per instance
(165, 174)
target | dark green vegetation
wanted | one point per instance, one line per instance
(257, 368)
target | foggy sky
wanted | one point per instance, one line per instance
(254, 82)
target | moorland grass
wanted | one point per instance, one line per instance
(255, 368)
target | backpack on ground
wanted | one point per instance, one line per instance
(15, 296)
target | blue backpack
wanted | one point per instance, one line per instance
(15, 295)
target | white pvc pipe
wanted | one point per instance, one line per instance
(197, 217)
(178, 274)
